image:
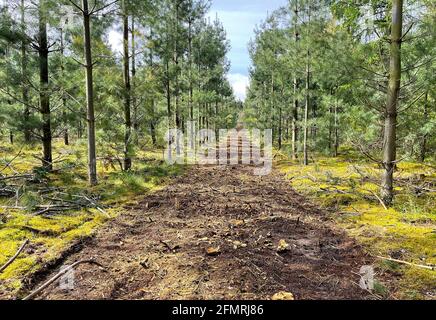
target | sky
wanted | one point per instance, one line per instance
(240, 18)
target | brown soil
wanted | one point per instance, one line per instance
(157, 249)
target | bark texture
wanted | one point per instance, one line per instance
(390, 126)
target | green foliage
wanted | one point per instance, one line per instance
(179, 63)
(344, 45)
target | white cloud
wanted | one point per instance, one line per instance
(115, 39)
(239, 83)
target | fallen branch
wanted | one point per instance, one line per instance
(421, 188)
(7, 192)
(97, 207)
(58, 275)
(170, 247)
(335, 190)
(60, 205)
(8, 163)
(13, 207)
(378, 198)
(24, 176)
(41, 212)
(15, 256)
(367, 290)
(433, 268)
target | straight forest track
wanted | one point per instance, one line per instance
(157, 249)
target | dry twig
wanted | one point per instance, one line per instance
(58, 275)
(15, 256)
(433, 268)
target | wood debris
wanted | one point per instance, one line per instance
(282, 296)
(213, 251)
(283, 246)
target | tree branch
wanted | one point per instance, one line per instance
(58, 275)
(15, 256)
(77, 7)
(102, 8)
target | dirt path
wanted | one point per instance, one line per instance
(157, 250)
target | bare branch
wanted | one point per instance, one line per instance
(8, 163)
(15, 256)
(102, 8)
(412, 103)
(408, 263)
(77, 7)
(412, 67)
(58, 275)
(407, 31)
(77, 61)
(19, 100)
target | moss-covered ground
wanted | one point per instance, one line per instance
(406, 231)
(53, 232)
(347, 186)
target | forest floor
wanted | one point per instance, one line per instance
(50, 210)
(347, 187)
(214, 233)
(208, 232)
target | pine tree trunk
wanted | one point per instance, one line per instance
(306, 112)
(64, 98)
(134, 100)
(207, 115)
(25, 91)
(191, 85)
(153, 107)
(390, 127)
(286, 124)
(314, 129)
(295, 121)
(177, 84)
(272, 113)
(215, 122)
(296, 88)
(92, 159)
(168, 92)
(280, 129)
(423, 149)
(152, 124)
(79, 129)
(44, 96)
(331, 120)
(336, 130)
(127, 93)
(295, 109)
(331, 129)
(307, 104)
(65, 118)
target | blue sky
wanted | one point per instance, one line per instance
(240, 18)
